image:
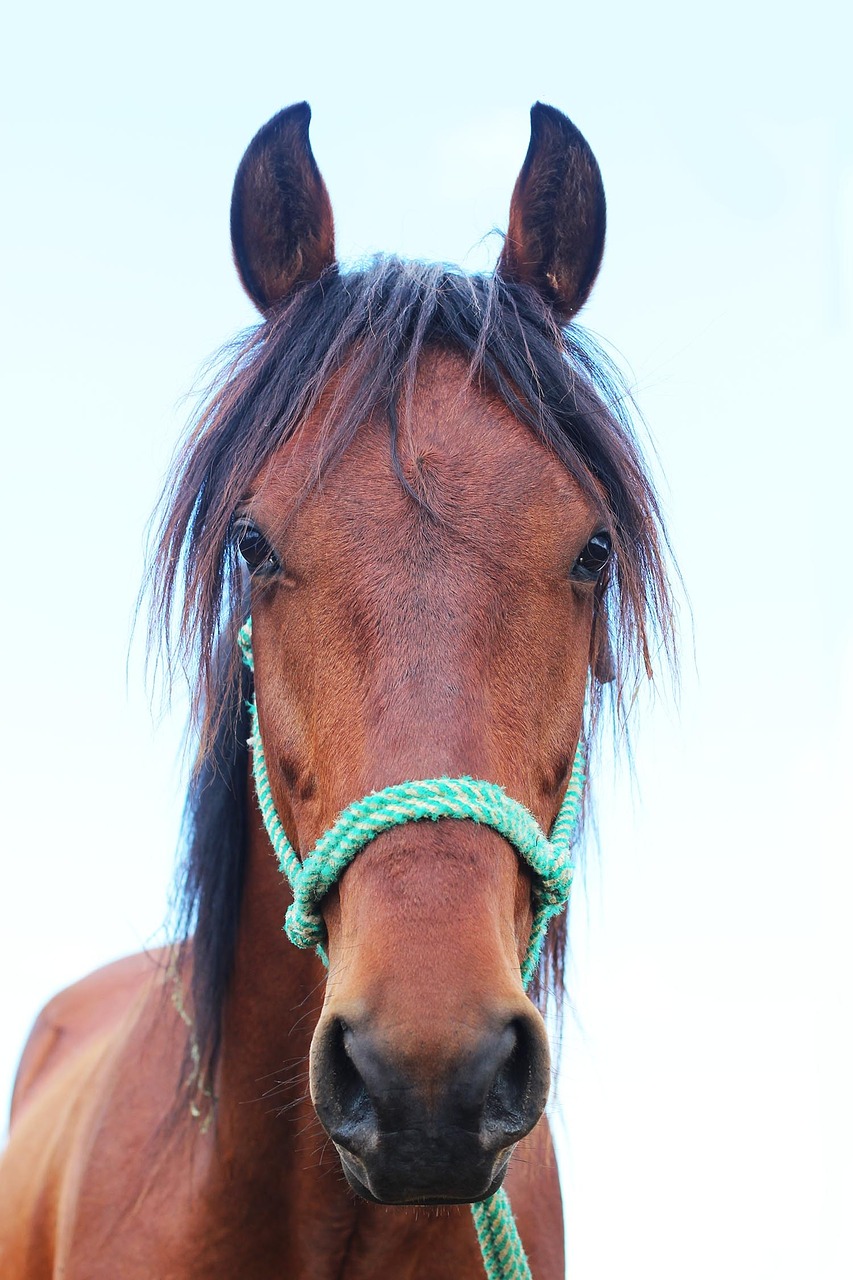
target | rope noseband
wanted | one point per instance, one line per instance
(486, 803)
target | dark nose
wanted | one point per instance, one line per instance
(409, 1131)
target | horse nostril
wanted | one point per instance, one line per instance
(381, 1109)
(343, 1103)
(518, 1090)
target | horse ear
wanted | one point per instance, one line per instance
(555, 239)
(282, 229)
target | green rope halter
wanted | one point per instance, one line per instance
(312, 877)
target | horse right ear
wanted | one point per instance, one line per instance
(282, 229)
(555, 238)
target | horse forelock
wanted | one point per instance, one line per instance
(353, 342)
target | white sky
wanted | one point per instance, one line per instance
(705, 1096)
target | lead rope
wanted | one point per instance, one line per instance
(311, 878)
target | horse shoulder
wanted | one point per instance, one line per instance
(77, 1016)
(36, 1166)
(82, 1038)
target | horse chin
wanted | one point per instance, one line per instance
(397, 1189)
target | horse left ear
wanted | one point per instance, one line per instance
(555, 239)
(282, 229)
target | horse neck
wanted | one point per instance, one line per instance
(273, 1166)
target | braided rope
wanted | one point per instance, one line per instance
(500, 1244)
(486, 803)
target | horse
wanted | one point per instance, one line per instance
(425, 489)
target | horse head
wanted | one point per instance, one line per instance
(431, 505)
(419, 616)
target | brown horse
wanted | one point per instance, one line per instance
(424, 487)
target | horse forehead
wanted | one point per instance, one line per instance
(459, 448)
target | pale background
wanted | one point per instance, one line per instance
(705, 1093)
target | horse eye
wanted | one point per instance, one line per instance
(255, 549)
(593, 558)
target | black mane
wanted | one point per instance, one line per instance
(367, 329)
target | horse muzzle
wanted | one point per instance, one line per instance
(410, 1130)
